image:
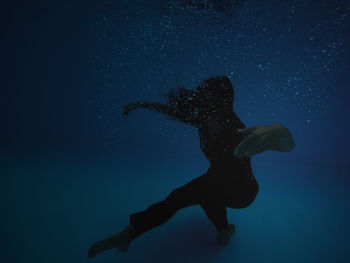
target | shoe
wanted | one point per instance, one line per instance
(224, 236)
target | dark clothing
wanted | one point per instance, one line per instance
(212, 192)
(229, 181)
(219, 148)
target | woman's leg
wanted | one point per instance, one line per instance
(201, 190)
(198, 191)
(216, 212)
(241, 193)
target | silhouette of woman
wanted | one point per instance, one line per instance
(229, 181)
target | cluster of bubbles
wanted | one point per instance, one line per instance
(215, 10)
(282, 56)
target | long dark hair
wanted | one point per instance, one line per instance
(214, 95)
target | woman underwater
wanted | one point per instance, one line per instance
(226, 143)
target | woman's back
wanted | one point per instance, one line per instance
(218, 141)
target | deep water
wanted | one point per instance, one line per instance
(54, 211)
(72, 170)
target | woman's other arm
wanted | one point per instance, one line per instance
(155, 106)
(285, 141)
(274, 137)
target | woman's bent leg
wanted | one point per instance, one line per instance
(158, 213)
(197, 191)
(216, 212)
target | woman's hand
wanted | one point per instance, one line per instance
(129, 107)
(273, 137)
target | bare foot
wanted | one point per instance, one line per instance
(225, 235)
(120, 241)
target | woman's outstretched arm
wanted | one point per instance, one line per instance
(261, 138)
(158, 107)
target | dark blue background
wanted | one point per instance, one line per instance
(46, 49)
(67, 70)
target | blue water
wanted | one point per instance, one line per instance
(55, 211)
(72, 170)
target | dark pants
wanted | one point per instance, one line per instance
(212, 191)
